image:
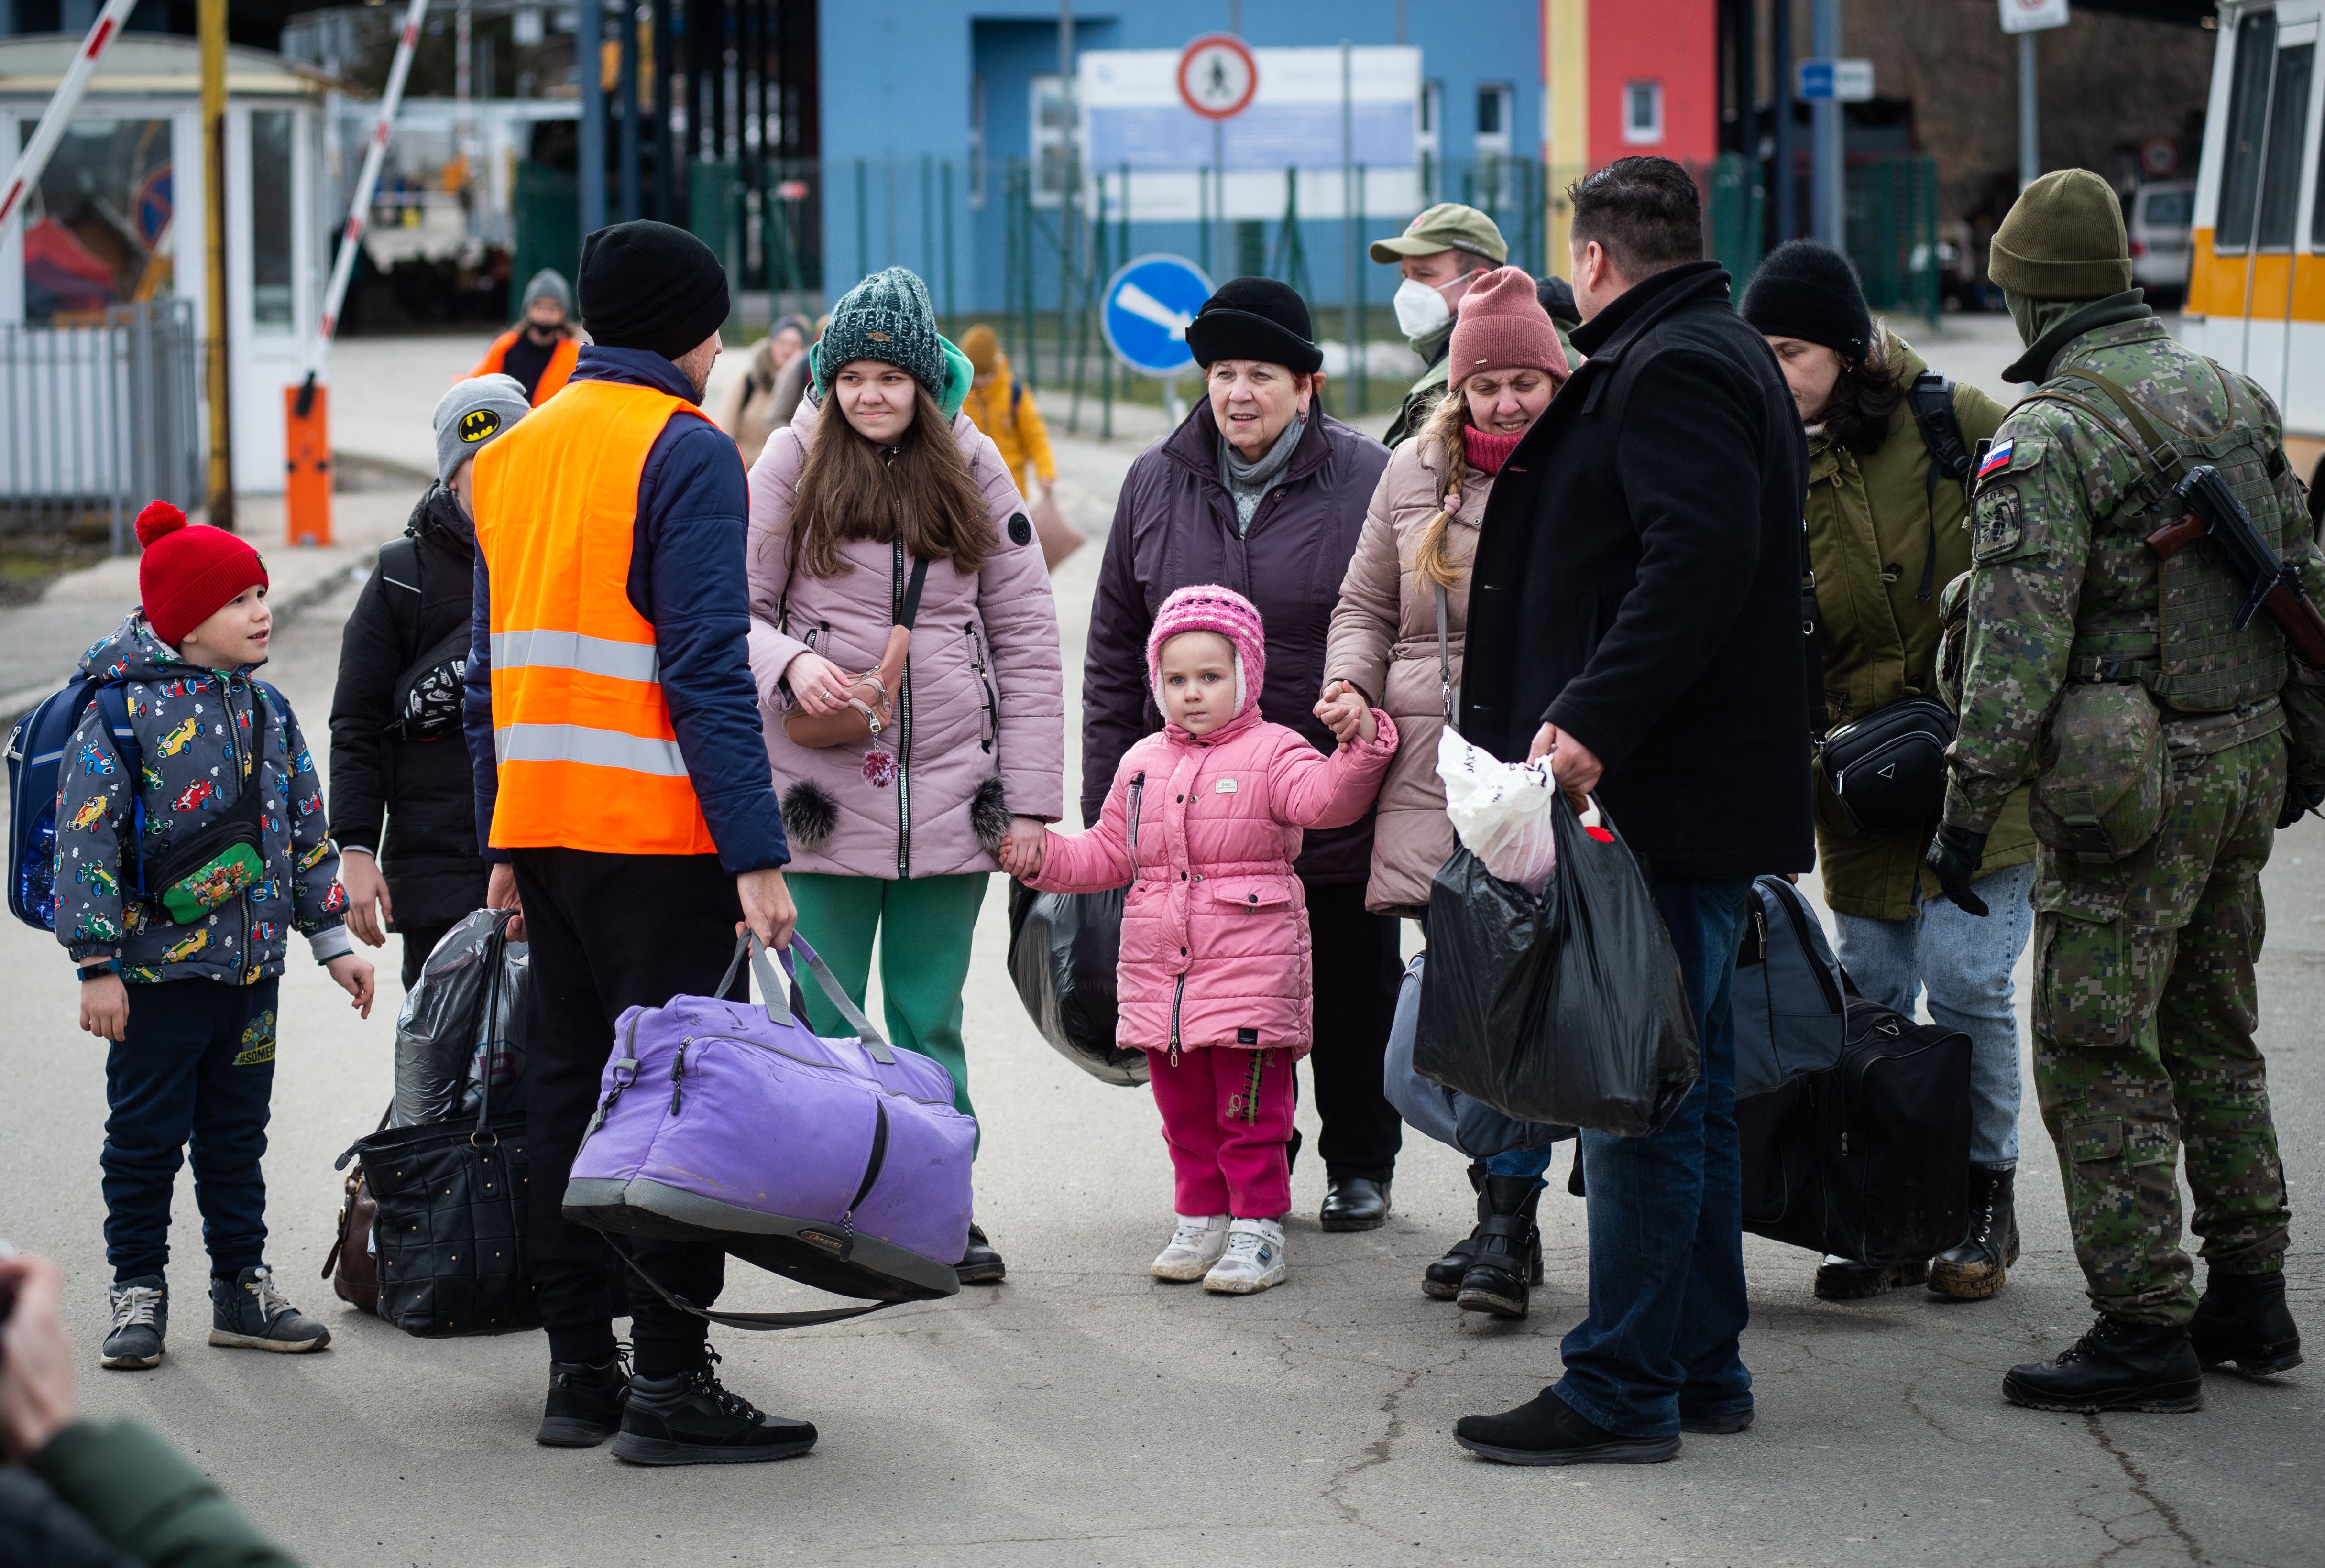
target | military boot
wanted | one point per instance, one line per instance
(2243, 1321)
(1508, 1259)
(1973, 1267)
(2118, 1366)
(1441, 1281)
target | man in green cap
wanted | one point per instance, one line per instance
(1440, 254)
(2167, 738)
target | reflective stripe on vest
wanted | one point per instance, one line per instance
(581, 727)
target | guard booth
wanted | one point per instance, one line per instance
(111, 245)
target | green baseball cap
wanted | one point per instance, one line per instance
(1446, 226)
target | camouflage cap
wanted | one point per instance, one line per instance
(1446, 226)
(2063, 239)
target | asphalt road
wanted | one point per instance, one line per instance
(1084, 1412)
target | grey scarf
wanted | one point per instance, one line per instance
(1248, 482)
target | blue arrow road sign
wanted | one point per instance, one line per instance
(1149, 303)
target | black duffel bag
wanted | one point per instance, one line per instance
(449, 1224)
(1888, 768)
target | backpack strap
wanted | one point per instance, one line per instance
(113, 708)
(1931, 397)
(399, 567)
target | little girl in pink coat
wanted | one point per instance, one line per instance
(1203, 821)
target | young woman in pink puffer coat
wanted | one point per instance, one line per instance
(895, 834)
(1204, 821)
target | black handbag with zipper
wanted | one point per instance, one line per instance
(1888, 768)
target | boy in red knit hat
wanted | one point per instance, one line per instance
(179, 874)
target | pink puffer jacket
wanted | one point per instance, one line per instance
(979, 734)
(1215, 931)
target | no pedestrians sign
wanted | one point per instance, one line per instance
(1217, 76)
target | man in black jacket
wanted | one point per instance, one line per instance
(1634, 615)
(403, 789)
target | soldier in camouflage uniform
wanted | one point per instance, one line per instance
(2157, 740)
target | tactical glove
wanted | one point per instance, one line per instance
(2300, 800)
(1953, 858)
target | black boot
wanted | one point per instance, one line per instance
(980, 1265)
(688, 1418)
(2242, 1320)
(585, 1403)
(1441, 1281)
(1973, 1269)
(2118, 1366)
(1841, 1279)
(1509, 1250)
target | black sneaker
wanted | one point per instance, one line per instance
(140, 1322)
(980, 1265)
(1546, 1430)
(2118, 1366)
(690, 1420)
(1723, 1419)
(248, 1311)
(585, 1403)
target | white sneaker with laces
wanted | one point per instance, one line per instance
(1194, 1247)
(1254, 1259)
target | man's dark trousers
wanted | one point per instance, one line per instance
(1356, 974)
(1666, 1216)
(610, 932)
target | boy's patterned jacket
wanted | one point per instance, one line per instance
(195, 726)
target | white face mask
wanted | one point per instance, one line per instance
(1421, 308)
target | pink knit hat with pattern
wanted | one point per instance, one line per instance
(1503, 327)
(1208, 607)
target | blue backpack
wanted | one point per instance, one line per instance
(37, 756)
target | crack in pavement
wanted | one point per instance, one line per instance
(2142, 1490)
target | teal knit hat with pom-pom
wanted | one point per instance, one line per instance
(886, 317)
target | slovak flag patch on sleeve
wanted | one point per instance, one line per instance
(1998, 459)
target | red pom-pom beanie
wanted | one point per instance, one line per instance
(189, 571)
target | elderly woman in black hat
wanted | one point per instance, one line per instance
(1261, 491)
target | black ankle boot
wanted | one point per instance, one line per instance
(585, 1403)
(1441, 1281)
(2242, 1320)
(1508, 1259)
(2118, 1366)
(1973, 1269)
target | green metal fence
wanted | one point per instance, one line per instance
(1893, 231)
(547, 212)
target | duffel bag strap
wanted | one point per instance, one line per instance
(770, 987)
(764, 1321)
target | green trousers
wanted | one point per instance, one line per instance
(925, 925)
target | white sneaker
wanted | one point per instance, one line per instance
(1254, 1259)
(1194, 1247)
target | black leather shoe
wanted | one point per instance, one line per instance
(1509, 1250)
(2118, 1366)
(1353, 1203)
(1846, 1279)
(1545, 1430)
(690, 1420)
(2243, 1321)
(1973, 1269)
(1441, 1281)
(585, 1403)
(980, 1265)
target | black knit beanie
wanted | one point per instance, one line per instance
(1810, 292)
(648, 285)
(1255, 318)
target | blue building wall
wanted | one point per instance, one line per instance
(897, 83)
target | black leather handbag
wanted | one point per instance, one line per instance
(1888, 768)
(448, 1225)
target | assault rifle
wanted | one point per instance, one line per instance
(2214, 513)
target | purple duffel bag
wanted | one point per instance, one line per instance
(840, 1163)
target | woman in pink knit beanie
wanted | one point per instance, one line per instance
(1504, 365)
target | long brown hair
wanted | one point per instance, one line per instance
(1431, 566)
(920, 490)
(1864, 399)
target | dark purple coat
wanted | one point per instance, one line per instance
(1176, 525)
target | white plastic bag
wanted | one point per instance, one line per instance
(1500, 810)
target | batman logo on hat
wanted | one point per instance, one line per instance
(479, 425)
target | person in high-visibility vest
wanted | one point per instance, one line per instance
(542, 349)
(623, 788)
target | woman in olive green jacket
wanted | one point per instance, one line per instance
(1884, 543)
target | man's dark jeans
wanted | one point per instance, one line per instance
(1666, 1216)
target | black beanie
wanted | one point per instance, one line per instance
(1810, 292)
(648, 285)
(1255, 318)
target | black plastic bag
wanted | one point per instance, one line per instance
(456, 1027)
(1477, 1130)
(1566, 1009)
(1062, 952)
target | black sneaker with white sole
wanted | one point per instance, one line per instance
(249, 1313)
(690, 1419)
(141, 1322)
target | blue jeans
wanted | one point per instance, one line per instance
(1522, 1162)
(1963, 962)
(1667, 1303)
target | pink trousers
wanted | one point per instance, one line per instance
(1227, 1115)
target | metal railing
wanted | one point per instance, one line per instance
(98, 418)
